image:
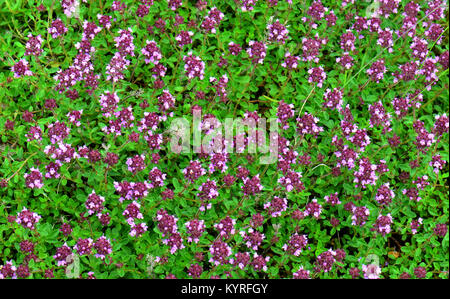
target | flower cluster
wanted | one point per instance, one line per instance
(21, 68)
(307, 124)
(94, 203)
(194, 66)
(34, 179)
(57, 29)
(277, 32)
(383, 224)
(27, 218)
(296, 244)
(349, 148)
(276, 206)
(226, 227)
(290, 61)
(195, 229)
(184, 38)
(257, 51)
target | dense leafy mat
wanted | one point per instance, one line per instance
(91, 188)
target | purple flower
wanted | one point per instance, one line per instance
(57, 28)
(365, 175)
(317, 75)
(71, 7)
(252, 238)
(313, 209)
(371, 271)
(124, 42)
(241, 260)
(307, 124)
(220, 252)
(346, 61)
(33, 45)
(151, 52)
(195, 229)
(21, 69)
(136, 164)
(383, 224)
(257, 51)
(248, 5)
(277, 32)
(325, 261)
(84, 246)
(276, 206)
(156, 178)
(234, 48)
(194, 66)
(226, 227)
(208, 191)
(90, 30)
(184, 38)
(296, 244)
(301, 273)
(33, 179)
(259, 262)
(348, 41)
(103, 247)
(377, 71)
(94, 203)
(360, 215)
(174, 4)
(252, 186)
(116, 66)
(167, 224)
(384, 195)
(109, 102)
(27, 218)
(333, 199)
(62, 254)
(194, 171)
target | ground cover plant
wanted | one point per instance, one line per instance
(355, 94)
